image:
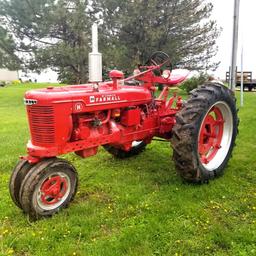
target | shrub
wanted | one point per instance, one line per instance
(193, 82)
(16, 82)
(2, 83)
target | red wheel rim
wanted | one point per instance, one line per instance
(210, 135)
(53, 190)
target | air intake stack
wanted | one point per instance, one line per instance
(95, 58)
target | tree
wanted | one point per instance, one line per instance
(36, 34)
(181, 28)
(50, 34)
(8, 57)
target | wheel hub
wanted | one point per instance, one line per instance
(210, 135)
(53, 190)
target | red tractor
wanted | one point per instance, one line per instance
(122, 115)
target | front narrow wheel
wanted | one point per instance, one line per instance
(205, 132)
(18, 174)
(48, 187)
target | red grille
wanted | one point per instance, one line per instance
(42, 124)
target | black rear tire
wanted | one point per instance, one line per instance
(48, 187)
(188, 128)
(120, 153)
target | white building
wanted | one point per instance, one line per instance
(8, 76)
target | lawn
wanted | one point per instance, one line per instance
(137, 206)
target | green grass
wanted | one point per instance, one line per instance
(137, 206)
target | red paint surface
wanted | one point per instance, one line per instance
(79, 118)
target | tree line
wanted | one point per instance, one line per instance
(37, 34)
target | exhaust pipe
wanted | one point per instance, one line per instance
(95, 58)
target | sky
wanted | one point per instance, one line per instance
(223, 14)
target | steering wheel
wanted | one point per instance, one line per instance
(158, 58)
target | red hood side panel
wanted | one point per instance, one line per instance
(85, 98)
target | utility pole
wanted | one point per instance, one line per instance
(232, 84)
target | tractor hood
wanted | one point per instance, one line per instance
(86, 98)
